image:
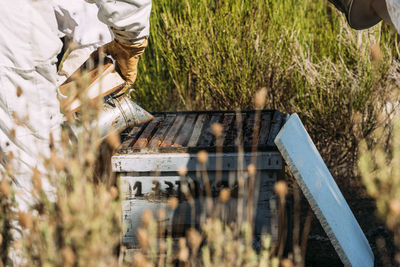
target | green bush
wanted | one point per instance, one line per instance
(217, 54)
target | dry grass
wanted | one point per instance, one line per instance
(379, 166)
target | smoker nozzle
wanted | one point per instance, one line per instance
(123, 114)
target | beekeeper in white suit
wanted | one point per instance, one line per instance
(29, 45)
(85, 26)
(82, 33)
(362, 14)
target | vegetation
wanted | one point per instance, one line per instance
(379, 166)
(216, 55)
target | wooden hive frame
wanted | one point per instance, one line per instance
(191, 132)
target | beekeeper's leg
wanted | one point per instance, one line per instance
(28, 114)
(29, 109)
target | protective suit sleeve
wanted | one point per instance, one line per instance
(128, 19)
(393, 7)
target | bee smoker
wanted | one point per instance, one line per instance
(119, 111)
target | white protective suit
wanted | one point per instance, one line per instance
(85, 25)
(77, 21)
(29, 44)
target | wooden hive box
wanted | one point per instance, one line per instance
(151, 156)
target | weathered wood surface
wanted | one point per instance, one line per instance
(180, 132)
(173, 131)
(184, 134)
(197, 130)
(278, 120)
(249, 126)
(159, 136)
(207, 138)
(131, 138)
(144, 138)
(264, 128)
(226, 126)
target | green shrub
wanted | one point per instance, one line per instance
(217, 54)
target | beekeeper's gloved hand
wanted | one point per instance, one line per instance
(127, 57)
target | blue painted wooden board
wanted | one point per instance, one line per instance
(323, 194)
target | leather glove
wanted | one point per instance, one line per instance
(127, 58)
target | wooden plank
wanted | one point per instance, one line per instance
(227, 127)
(248, 129)
(229, 134)
(169, 138)
(207, 138)
(185, 132)
(159, 135)
(275, 127)
(323, 194)
(132, 137)
(147, 133)
(230, 138)
(238, 133)
(201, 119)
(264, 128)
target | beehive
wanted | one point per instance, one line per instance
(151, 156)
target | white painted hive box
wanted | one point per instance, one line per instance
(151, 156)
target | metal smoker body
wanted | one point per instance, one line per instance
(119, 111)
(120, 115)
